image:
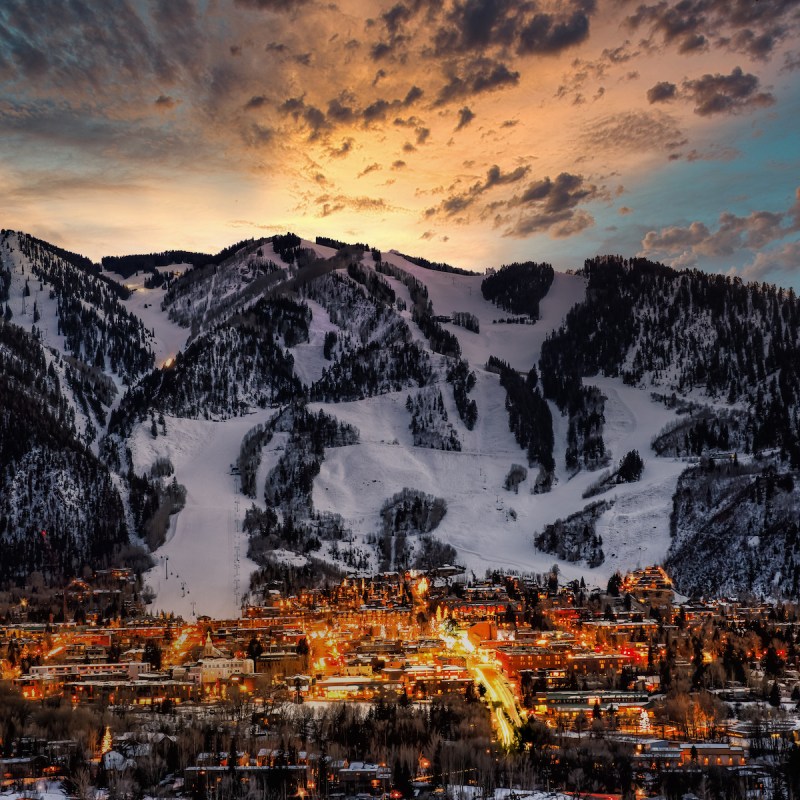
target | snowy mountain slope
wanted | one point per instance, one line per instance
(635, 530)
(284, 322)
(518, 345)
(195, 568)
(309, 361)
(354, 482)
(167, 337)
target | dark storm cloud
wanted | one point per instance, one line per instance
(754, 27)
(457, 203)
(557, 196)
(552, 205)
(726, 94)
(270, 5)
(165, 102)
(476, 26)
(661, 92)
(480, 75)
(465, 116)
(255, 102)
(547, 33)
(310, 116)
(97, 44)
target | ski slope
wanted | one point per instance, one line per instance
(168, 338)
(518, 345)
(489, 527)
(196, 565)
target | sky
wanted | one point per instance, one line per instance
(476, 132)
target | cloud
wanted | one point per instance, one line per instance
(478, 26)
(632, 131)
(558, 195)
(343, 110)
(165, 102)
(477, 77)
(270, 5)
(726, 94)
(414, 94)
(371, 168)
(494, 177)
(661, 92)
(715, 152)
(551, 205)
(339, 112)
(257, 135)
(548, 33)
(546, 205)
(754, 28)
(332, 204)
(344, 148)
(783, 260)
(465, 116)
(257, 101)
(791, 62)
(560, 225)
(733, 233)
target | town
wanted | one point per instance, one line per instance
(402, 685)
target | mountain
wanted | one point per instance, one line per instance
(288, 410)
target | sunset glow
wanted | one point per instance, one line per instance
(476, 132)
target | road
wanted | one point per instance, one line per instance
(498, 691)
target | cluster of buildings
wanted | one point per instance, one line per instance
(542, 651)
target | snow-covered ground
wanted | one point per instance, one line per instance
(42, 789)
(168, 338)
(519, 345)
(488, 526)
(309, 360)
(195, 570)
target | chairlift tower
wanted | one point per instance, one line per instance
(236, 557)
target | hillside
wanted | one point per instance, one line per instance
(312, 406)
